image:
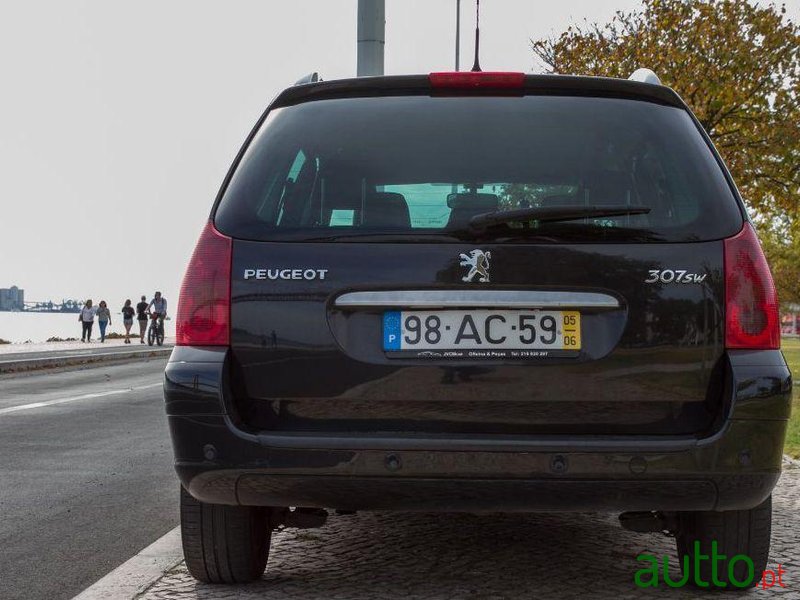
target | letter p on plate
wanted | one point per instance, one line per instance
(391, 330)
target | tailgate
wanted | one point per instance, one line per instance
(309, 348)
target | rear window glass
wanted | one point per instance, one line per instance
(412, 166)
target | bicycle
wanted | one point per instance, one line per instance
(155, 333)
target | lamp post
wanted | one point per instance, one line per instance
(371, 37)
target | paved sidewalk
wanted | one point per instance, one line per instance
(16, 358)
(10, 351)
(383, 555)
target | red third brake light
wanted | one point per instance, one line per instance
(751, 303)
(204, 305)
(465, 80)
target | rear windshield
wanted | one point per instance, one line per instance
(409, 167)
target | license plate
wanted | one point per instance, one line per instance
(482, 333)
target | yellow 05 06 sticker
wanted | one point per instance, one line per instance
(571, 328)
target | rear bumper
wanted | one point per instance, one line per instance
(734, 468)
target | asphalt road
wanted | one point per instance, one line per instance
(86, 478)
(86, 482)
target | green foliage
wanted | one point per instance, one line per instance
(791, 350)
(780, 238)
(525, 195)
(737, 65)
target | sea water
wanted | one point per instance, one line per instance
(19, 327)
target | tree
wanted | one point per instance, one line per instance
(737, 66)
(781, 243)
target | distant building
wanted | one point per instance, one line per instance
(12, 298)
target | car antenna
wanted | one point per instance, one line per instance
(476, 67)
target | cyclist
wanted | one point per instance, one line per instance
(159, 309)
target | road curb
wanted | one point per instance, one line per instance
(31, 364)
(133, 577)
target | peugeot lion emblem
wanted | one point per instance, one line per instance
(478, 263)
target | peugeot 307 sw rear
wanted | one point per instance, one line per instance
(477, 292)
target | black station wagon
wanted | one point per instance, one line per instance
(477, 292)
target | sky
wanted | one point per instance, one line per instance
(119, 120)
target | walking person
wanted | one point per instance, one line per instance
(141, 316)
(86, 317)
(103, 319)
(127, 320)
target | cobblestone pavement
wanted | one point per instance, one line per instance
(486, 557)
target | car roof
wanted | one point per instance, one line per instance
(394, 85)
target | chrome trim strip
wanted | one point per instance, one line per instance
(476, 299)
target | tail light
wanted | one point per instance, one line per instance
(751, 304)
(204, 307)
(465, 80)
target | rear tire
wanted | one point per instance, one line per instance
(735, 532)
(224, 544)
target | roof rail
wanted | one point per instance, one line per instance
(310, 78)
(645, 76)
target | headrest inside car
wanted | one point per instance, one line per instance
(386, 209)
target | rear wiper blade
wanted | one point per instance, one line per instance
(553, 213)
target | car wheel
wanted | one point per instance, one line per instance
(736, 532)
(224, 544)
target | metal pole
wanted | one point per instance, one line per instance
(458, 30)
(371, 37)
(454, 187)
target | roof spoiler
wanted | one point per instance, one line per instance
(421, 85)
(645, 76)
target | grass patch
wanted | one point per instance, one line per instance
(791, 350)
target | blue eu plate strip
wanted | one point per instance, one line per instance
(391, 330)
